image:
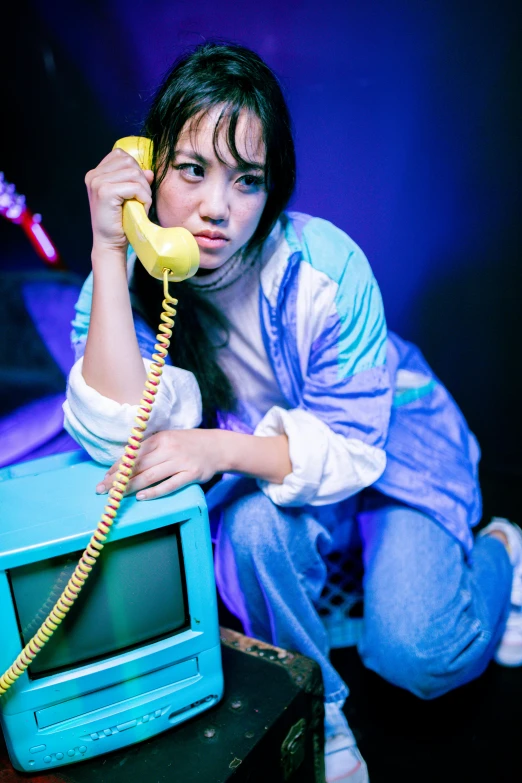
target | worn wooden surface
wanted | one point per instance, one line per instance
(268, 727)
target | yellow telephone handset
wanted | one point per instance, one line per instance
(157, 248)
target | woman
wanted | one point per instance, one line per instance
(281, 351)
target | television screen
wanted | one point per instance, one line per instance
(135, 595)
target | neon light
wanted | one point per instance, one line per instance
(44, 241)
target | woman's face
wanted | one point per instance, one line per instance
(219, 203)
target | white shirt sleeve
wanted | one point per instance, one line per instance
(326, 467)
(102, 426)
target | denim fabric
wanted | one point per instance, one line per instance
(432, 618)
(269, 571)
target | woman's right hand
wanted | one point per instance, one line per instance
(117, 178)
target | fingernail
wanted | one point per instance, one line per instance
(141, 495)
(100, 489)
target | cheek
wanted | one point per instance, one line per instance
(250, 215)
(172, 207)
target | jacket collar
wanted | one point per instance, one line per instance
(282, 249)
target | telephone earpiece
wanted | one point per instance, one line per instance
(157, 248)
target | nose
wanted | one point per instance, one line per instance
(214, 204)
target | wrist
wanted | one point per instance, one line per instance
(225, 451)
(266, 458)
(102, 255)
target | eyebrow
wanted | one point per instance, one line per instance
(241, 166)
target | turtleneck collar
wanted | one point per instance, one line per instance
(236, 265)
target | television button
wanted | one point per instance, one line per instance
(94, 736)
(83, 748)
(157, 714)
(37, 749)
(47, 759)
(59, 756)
(128, 725)
(71, 752)
(107, 732)
(146, 718)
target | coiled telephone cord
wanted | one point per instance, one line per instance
(123, 476)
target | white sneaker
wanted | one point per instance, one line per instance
(342, 757)
(343, 761)
(509, 650)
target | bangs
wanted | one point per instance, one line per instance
(226, 126)
(225, 133)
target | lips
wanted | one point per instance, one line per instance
(211, 235)
(211, 239)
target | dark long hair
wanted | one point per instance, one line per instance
(233, 78)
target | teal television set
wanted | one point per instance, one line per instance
(139, 652)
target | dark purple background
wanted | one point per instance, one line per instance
(407, 120)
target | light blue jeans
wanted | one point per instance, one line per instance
(432, 619)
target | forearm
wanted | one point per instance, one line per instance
(264, 458)
(112, 362)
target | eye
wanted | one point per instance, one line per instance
(251, 182)
(191, 171)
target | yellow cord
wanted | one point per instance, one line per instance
(123, 476)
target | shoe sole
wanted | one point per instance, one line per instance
(506, 657)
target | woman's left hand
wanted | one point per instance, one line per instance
(174, 458)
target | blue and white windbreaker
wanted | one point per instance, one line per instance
(364, 406)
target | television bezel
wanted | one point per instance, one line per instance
(186, 508)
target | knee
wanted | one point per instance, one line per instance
(412, 660)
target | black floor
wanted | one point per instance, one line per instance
(472, 735)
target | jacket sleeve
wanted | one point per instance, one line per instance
(101, 425)
(338, 429)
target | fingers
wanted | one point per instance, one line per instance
(119, 167)
(116, 179)
(115, 193)
(109, 477)
(144, 463)
(119, 185)
(166, 487)
(110, 164)
(160, 476)
(160, 458)
(144, 477)
(116, 159)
